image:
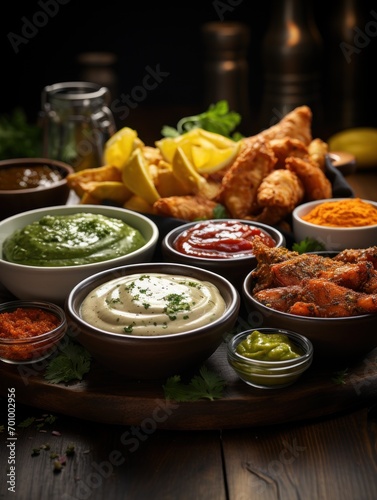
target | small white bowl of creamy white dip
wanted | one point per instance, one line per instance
(150, 321)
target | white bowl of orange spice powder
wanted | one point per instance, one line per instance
(337, 223)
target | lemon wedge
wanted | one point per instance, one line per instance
(208, 160)
(207, 151)
(136, 177)
(118, 148)
(185, 172)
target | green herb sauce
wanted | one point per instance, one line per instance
(268, 347)
(71, 240)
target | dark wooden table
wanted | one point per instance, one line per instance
(333, 457)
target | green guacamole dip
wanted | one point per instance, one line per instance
(71, 240)
(268, 347)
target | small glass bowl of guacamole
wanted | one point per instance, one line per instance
(269, 358)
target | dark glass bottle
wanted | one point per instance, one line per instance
(226, 67)
(292, 51)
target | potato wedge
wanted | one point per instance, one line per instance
(112, 191)
(78, 180)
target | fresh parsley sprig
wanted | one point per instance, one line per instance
(71, 364)
(206, 385)
(308, 245)
(217, 119)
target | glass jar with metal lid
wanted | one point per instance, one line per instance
(76, 123)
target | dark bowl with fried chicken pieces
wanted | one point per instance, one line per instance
(330, 297)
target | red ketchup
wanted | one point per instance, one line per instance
(220, 239)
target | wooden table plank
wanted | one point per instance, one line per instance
(115, 462)
(332, 459)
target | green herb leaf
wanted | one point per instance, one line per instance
(18, 138)
(217, 119)
(27, 422)
(308, 245)
(220, 212)
(206, 385)
(72, 364)
(339, 377)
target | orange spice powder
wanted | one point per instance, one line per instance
(25, 323)
(351, 212)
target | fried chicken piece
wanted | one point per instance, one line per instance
(317, 186)
(305, 309)
(351, 275)
(357, 276)
(361, 255)
(188, 208)
(318, 150)
(287, 146)
(271, 255)
(358, 255)
(318, 297)
(335, 301)
(278, 194)
(297, 125)
(279, 298)
(294, 271)
(370, 286)
(240, 183)
(266, 256)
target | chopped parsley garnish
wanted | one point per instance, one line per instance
(129, 328)
(206, 385)
(176, 303)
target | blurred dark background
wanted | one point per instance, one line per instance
(167, 35)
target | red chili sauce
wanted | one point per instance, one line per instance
(220, 239)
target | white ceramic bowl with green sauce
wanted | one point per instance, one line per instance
(53, 283)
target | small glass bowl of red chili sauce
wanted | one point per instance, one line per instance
(223, 246)
(30, 331)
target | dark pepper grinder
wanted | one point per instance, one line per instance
(226, 68)
(292, 51)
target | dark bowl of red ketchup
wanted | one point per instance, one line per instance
(223, 246)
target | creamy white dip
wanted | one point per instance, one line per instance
(152, 304)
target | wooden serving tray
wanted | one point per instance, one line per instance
(105, 397)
